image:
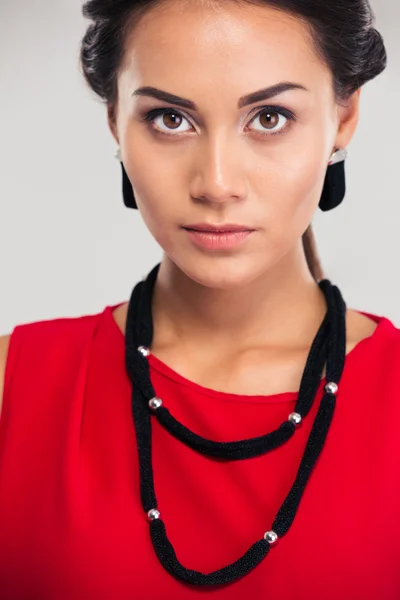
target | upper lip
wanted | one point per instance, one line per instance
(216, 228)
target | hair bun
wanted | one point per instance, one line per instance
(377, 47)
(94, 43)
(375, 57)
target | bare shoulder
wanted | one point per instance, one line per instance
(4, 344)
(359, 327)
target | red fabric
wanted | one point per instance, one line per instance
(71, 523)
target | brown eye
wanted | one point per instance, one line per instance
(172, 120)
(269, 120)
(166, 120)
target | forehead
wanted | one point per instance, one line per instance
(220, 44)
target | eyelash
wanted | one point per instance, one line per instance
(153, 114)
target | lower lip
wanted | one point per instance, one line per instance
(218, 241)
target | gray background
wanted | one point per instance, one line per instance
(68, 246)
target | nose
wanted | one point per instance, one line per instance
(220, 174)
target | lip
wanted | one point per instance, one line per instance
(226, 228)
(218, 240)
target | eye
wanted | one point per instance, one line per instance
(168, 121)
(171, 119)
(273, 120)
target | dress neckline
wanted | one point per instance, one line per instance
(161, 367)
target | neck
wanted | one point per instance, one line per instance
(283, 307)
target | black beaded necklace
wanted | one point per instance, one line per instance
(329, 346)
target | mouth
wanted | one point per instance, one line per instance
(218, 237)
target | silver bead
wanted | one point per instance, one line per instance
(155, 403)
(153, 514)
(143, 350)
(295, 418)
(331, 388)
(271, 537)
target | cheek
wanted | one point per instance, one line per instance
(155, 185)
(158, 202)
(291, 190)
(293, 173)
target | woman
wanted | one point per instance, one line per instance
(232, 430)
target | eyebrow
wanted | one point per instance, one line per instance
(264, 94)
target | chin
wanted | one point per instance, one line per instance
(223, 273)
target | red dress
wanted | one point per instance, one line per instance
(71, 523)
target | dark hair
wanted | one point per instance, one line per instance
(343, 33)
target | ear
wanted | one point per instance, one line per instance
(348, 114)
(112, 122)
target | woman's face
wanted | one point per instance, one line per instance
(260, 163)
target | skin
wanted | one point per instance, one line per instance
(253, 310)
(241, 308)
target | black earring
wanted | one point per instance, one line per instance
(334, 188)
(127, 190)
